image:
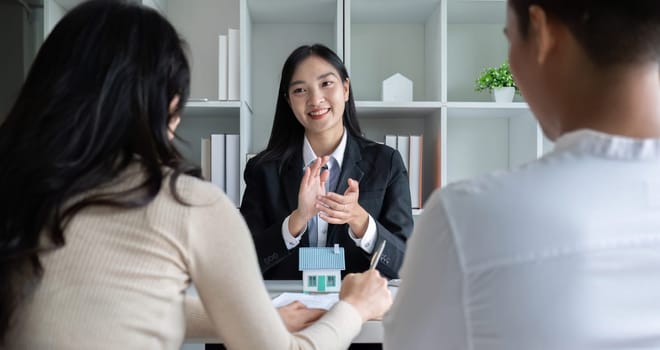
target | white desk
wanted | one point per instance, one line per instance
(372, 331)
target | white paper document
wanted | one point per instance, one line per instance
(312, 301)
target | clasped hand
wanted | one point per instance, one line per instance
(332, 207)
(339, 209)
(312, 185)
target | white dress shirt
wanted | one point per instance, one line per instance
(562, 253)
(366, 242)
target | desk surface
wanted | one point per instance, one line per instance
(372, 331)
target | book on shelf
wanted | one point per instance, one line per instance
(233, 66)
(222, 67)
(415, 171)
(390, 140)
(206, 158)
(403, 146)
(218, 160)
(411, 149)
(233, 168)
(221, 163)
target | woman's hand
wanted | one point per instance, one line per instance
(367, 292)
(344, 209)
(297, 316)
(311, 186)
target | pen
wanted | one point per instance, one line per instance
(377, 254)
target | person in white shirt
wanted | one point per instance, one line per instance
(563, 252)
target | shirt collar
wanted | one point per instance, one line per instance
(338, 154)
(609, 146)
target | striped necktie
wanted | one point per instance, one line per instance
(330, 185)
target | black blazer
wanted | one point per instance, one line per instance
(272, 194)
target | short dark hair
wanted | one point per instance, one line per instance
(611, 31)
(287, 133)
(95, 101)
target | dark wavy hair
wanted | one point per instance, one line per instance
(95, 101)
(611, 31)
(287, 133)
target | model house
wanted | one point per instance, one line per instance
(321, 268)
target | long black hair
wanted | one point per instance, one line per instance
(95, 101)
(610, 31)
(287, 133)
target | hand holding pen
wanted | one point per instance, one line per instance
(374, 262)
(376, 256)
(367, 291)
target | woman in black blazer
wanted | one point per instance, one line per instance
(286, 201)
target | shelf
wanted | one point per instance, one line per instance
(487, 110)
(475, 40)
(470, 49)
(381, 109)
(213, 109)
(476, 11)
(488, 136)
(214, 104)
(488, 105)
(200, 25)
(384, 37)
(293, 11)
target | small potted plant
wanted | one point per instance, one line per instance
(498, 80)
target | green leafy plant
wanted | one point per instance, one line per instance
(495, 78)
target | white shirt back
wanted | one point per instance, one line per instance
(562, 253)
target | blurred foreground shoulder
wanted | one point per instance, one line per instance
(195, 191)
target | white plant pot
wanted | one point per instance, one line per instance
(504, 94)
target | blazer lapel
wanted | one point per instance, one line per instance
(351, 168)
(291, 176)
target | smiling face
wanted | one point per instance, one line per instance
(317, 96)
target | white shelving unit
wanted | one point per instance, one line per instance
(384, 37)
(441, 45)
(200, 22)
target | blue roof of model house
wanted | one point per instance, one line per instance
(321, 258)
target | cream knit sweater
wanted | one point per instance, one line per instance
(120, 281)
